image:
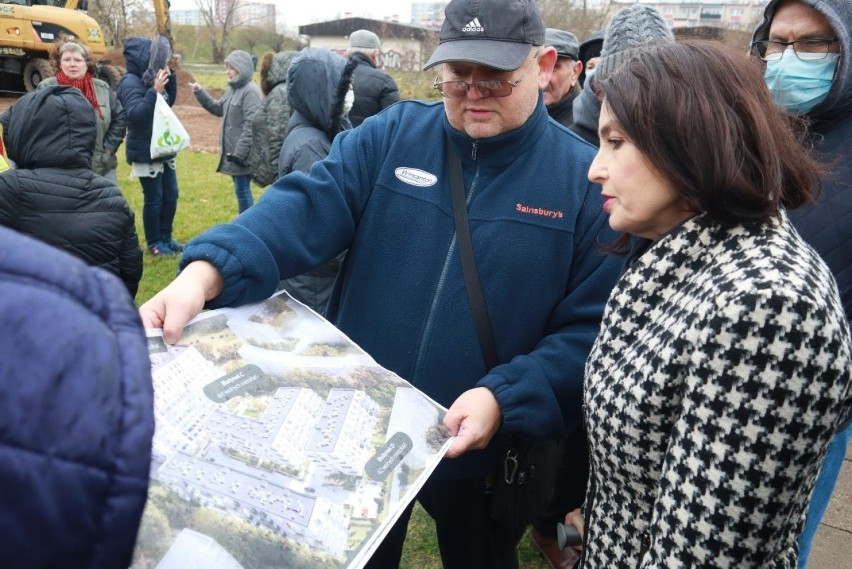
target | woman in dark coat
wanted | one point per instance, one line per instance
(147, 75)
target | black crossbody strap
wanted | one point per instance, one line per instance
(471, 276)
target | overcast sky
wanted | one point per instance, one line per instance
(300, 12)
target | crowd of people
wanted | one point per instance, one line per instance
(660, 230)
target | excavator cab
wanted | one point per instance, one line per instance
(28, 29)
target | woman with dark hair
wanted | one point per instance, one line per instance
(723, 362)
(75, 67)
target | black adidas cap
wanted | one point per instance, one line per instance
(494, 33)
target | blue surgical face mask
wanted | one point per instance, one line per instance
(797, 84)
(590, 73)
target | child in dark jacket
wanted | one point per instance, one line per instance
(53, 194)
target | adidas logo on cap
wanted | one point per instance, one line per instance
(473, 26)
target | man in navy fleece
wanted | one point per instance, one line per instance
(383, 192)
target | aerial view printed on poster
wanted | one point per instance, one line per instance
(279, 443)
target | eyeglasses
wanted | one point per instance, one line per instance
(487, 88)
(807, 50)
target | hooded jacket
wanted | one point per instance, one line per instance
(138, 96)
(269, 124)
(827, 224)
(76, 411)
(383, 192)
(374, 89)
(54, 196)
(589, 48)
(237, 106)
(111, 125)
(587, 112)
(317, 83)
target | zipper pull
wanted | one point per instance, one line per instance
(473, 149)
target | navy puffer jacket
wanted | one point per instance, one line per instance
(76, 412)
(138, 99)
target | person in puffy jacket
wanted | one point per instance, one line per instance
(318, 83)
(374, 89)
(76, 411)
(148, 74)
(269, 124)
(237, 106)
(53, 194)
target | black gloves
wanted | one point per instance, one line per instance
(236, 160)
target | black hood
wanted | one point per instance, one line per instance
(52, 127)
(137, 52)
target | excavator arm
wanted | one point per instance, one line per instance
(164, 24)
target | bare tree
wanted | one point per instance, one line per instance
(111, 16)
(220, 18)
(582, 17)
(278, 41)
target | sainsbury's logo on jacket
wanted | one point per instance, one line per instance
(521, 208)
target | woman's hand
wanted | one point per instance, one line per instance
(161, 80)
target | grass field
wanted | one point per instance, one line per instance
(207, 199)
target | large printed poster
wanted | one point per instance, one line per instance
(279, 443)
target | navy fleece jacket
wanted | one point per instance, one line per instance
(383, 193)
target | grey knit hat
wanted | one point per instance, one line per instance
(630, 28)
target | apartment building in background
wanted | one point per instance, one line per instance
(737, 15)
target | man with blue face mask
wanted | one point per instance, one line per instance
(806, 46)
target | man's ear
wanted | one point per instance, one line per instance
(578, 70)
(546, 61)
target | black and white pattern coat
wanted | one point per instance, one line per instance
(720, 372)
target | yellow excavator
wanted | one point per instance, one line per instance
(28, 29)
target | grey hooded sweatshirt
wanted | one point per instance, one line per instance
(237, 106)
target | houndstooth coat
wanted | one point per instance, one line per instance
(720, 372)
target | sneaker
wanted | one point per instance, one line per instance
(548, 548)
(175, 246)
(167, 246)
(161, 250)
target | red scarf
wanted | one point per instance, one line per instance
(85, 85)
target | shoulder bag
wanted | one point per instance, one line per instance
(525, 474)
